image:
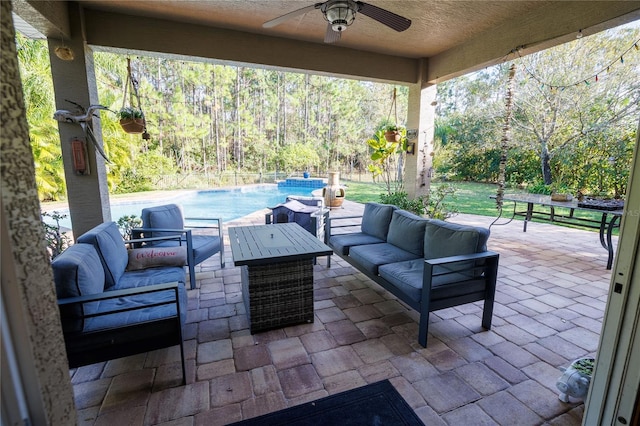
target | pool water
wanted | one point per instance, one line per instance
(228, 204)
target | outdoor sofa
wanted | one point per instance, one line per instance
(108, 311)
(426, 263)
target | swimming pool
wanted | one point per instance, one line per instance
(228, 204)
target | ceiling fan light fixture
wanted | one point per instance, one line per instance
(340, 14)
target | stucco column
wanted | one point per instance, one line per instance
(88, 195)
(421, 117)
(32, 343)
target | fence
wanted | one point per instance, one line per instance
(226, 179)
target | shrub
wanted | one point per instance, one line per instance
(431, 205)
(127, 223)
(57, 240)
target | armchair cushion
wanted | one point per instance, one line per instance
(168, 216)
(143, 258)
(107, 240)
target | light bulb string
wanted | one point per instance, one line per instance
(586, 81)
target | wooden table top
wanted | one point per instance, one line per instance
(264, 244)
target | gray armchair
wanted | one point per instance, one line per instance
(168, 220)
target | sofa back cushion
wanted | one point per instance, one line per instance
(376, 219)
(168, 216)
(443, 239)
(406, 231)
(108, 242)
(77, 272)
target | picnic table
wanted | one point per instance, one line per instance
(609, 219)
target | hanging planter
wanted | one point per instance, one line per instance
(132, 118)
(392, 136)
(392, 132)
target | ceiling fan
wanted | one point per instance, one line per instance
(341, 13)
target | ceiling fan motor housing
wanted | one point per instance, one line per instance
(340, 14)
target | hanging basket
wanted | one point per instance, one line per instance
(392, 136)
(132, 125)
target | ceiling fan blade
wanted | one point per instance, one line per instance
(279, 20)
(390, 19)
(331, 36)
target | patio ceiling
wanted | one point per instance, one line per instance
(447, 37)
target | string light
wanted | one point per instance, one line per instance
(607, 68)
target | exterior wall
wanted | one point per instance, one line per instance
(88, 195)
(421, 116)
(27, 282)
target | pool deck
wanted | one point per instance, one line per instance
(551, 295)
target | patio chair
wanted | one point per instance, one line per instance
(168, 220)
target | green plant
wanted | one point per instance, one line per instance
(402, 131)
(129, 113)
(539, 188)
(431, 205)
(434, 202)
(127, 223)
(57, 240)
(584, 365)
(385, 159)
(401, 200)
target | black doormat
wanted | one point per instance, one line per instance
(376, 404)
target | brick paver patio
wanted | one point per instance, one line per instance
(550, 301)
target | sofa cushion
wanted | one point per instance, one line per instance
(77, 271)
(144, 258)
(406, 231)
(376, 219)
(107, 240)
(443, 239)
(150, 276)
(121, 319)
(168, 216)
(370, 256)
(341, 243)
(407, 276)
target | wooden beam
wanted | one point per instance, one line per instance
(546, 27)
(50, 18)
(131, 33)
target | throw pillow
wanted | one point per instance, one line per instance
(143, 258)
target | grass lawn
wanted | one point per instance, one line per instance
(469, 197)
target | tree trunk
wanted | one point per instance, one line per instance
(545, 164)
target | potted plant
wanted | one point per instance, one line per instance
(575, 379)
(560, 192)
(393, 133)
(131, 120)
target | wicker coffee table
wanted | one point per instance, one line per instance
(277, 272)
